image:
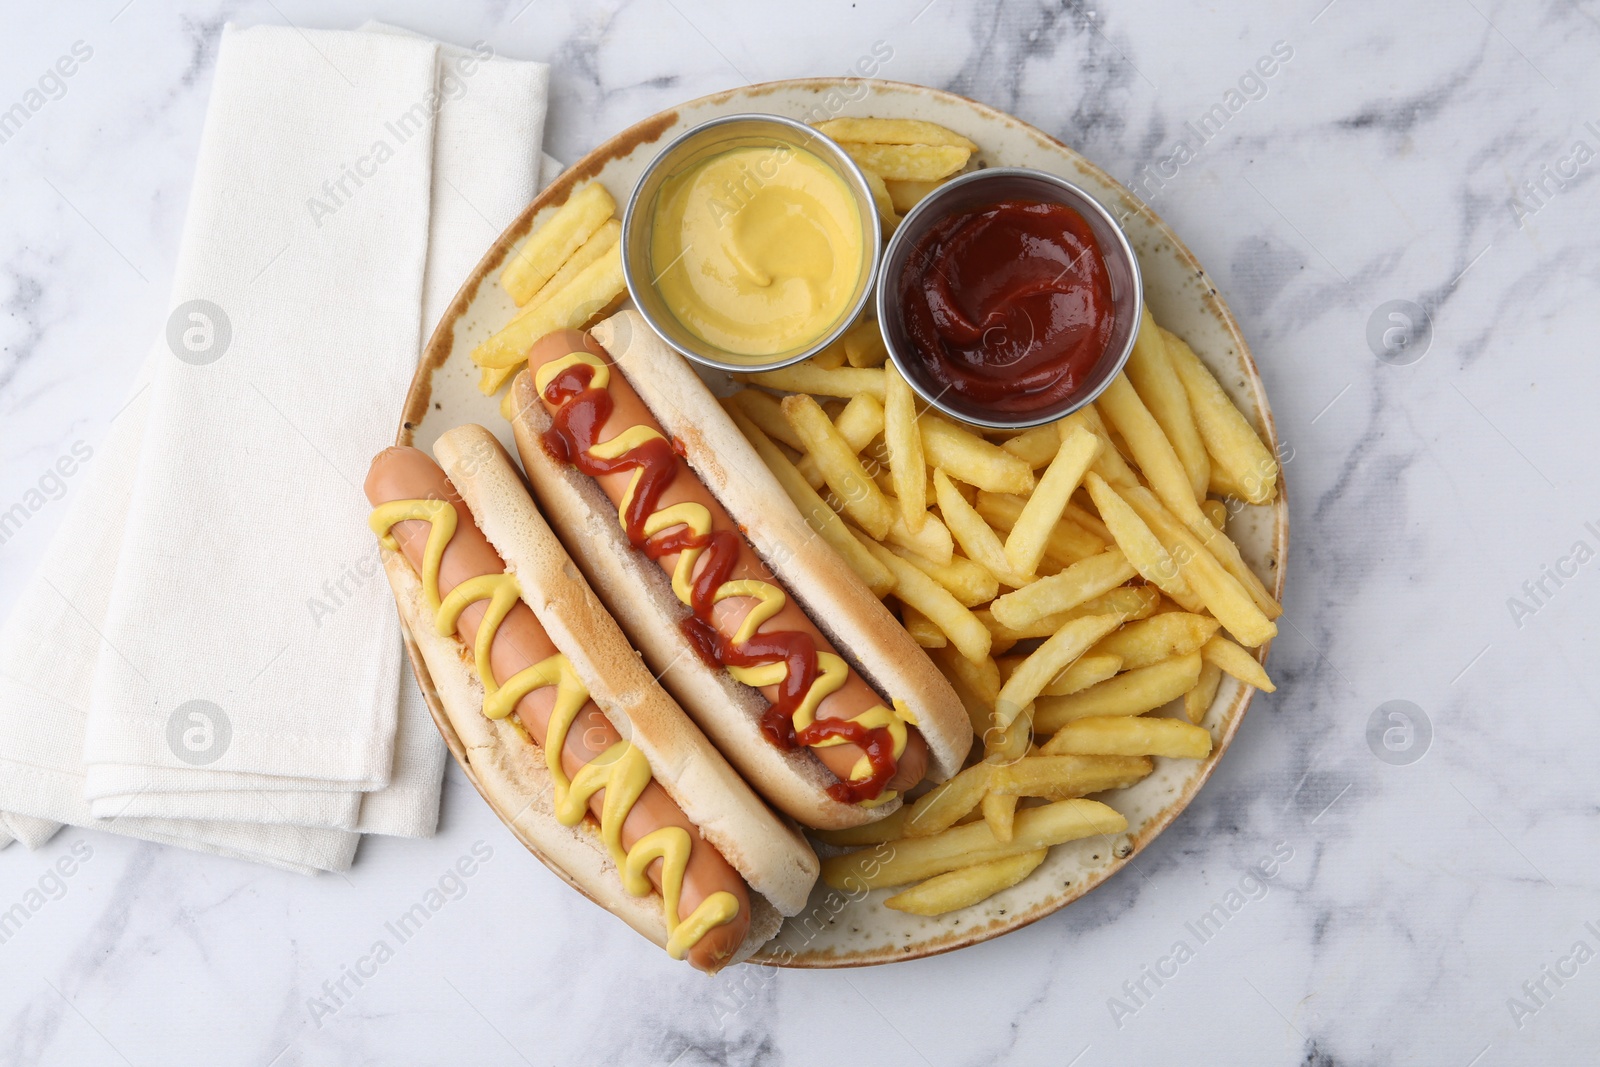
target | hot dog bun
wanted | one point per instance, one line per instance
(640, 595)
(510, 770)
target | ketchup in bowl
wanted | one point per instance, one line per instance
(1008, 306)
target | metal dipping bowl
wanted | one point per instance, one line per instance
(700, 143)
(978, 190)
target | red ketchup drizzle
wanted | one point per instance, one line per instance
(575, 428)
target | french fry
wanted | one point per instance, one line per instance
(915, 589)
(830, 358)
(1049, 660)
(1066, 777)
(816, 512)
(1025, 545)
(1109, 464)
(978, 710)
(909, 162)
(490, 379)
(1235, 448)
(1130, 736)
(907, 195)
(1130, 601)
(1088, 520)
(969, 458)
(913, 859)
(1204, 573)
(1068, 542)
(1142, 547)
(1001, 638)
(1006, 744)
(1224, 484)
(591, 289)
(1038, 446)
(1197, 701)
(981, 677)
(879, 452)
(966, 886)
(1121, 406)
(1222, 653)
(921, 628)
(1160, 637)
(1000, 812)
(599, 243)
(882, 201)
(764, 411)
(932, 543)
(1091, 668)
(1132, 693)
(969, 583)
(1150, 370)
(892, 131)
(907, 465)
(1008, 663)
(1062, 592)
(1221, 546)
(863, 345)
(841, 468)
(944, 805)
(1223, 596)
(977, 539)
(889, 828)
(819, 381)
(1121, 445)
(1008, 666)
(1199, 523)
(859, 422)
(553, 243)
(507, 402)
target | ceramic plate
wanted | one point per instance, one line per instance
(839, 930)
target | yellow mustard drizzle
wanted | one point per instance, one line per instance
(832, 672)
(621, 770)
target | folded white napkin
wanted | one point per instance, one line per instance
(209, 654)
(48, 649)
(31, 832)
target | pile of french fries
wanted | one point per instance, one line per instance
(904, 159)
(566, 273)
(1069, 580)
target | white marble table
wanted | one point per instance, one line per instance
(1422, 910)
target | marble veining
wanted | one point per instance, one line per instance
(1439, 910)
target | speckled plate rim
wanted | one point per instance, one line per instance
(441, 343)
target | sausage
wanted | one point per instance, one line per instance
(409, 474)
(855, 696)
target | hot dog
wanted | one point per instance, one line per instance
(681, 485)
(786, 660)
(575, 674)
